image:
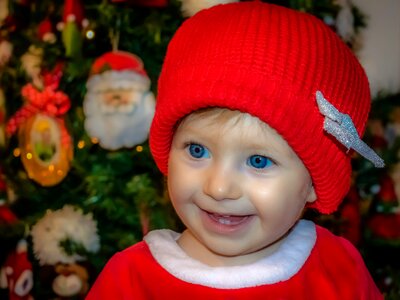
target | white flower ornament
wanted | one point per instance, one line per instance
(57, 226)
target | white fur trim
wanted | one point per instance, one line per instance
(280, 266)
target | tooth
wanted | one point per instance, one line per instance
(224, 221)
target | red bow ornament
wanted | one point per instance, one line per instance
(45, 144)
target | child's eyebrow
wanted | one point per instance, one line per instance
(187, 128)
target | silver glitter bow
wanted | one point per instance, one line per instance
(342, 128)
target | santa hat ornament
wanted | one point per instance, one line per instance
(16, 274)
(191, 7)
(119, 105)
(73, 12)
(46, 31)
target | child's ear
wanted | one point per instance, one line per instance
(312, 196)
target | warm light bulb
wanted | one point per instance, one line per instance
(17, 152)
(81, 144)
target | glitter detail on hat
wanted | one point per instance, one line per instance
(342, 128)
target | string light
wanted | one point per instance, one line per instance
(81, 144)
(17, 152)
(90, 34)
(29, 155)
(139, 148)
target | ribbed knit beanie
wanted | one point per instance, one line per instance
(268, 61)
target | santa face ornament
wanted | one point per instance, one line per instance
(119, 105)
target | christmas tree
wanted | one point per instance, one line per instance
(72, 172)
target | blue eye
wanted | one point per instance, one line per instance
(198, 151)
(259, 162)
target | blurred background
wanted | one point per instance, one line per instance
(78, 81)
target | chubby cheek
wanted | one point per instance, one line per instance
(277, 201)
(181, 184)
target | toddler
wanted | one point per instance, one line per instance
(259, 108)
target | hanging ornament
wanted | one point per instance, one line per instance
(16, 274)
(45, 144)
(70, 281)
(16, 270)
(191, 7)
(61, 241)
(6, 49)
(31, 62)
(46, 31)
(73, 22)
(66, 225)
(118, 106)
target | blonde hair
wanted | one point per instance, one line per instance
(229, 118)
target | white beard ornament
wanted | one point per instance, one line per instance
(119, 105)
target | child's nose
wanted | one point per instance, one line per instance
(222, 183)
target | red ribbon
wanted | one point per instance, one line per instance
(49, 101)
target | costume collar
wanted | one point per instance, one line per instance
(280, 266)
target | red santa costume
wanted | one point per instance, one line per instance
(311, 263)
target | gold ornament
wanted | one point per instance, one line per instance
(46, 149)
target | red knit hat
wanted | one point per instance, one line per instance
(268, 61)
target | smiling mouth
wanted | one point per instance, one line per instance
(226, 224)
(230, 220)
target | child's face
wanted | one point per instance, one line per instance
(236, 185)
